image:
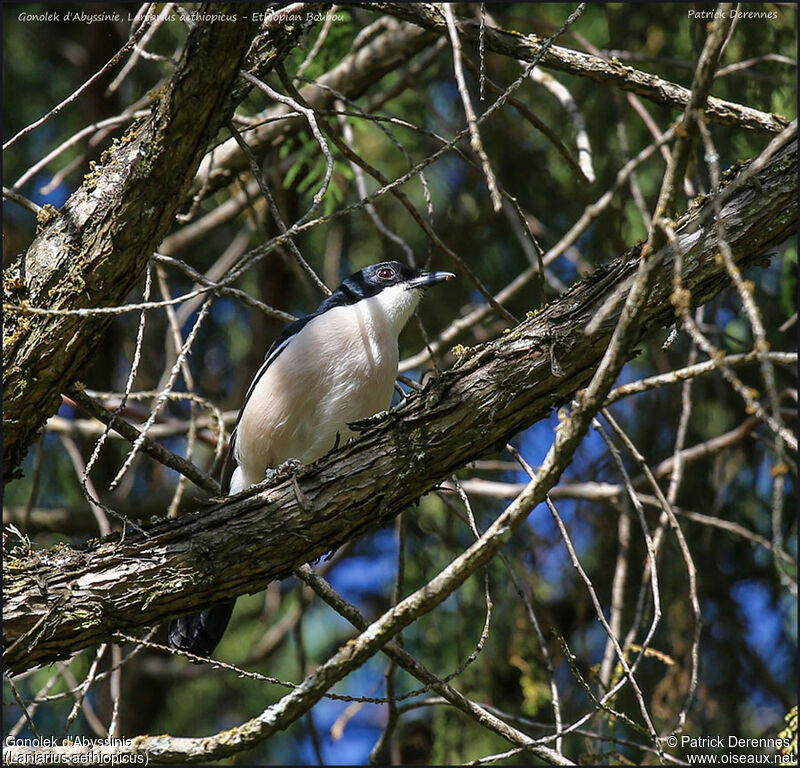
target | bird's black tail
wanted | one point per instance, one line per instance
(201, 632)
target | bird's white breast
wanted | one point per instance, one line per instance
(339, 368)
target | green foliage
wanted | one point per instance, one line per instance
(337, 45)
(307, 174)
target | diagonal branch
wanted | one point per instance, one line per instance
(57, 602)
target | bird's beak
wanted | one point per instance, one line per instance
(429, 278)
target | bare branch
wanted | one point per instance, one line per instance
(113, 61)
(370, 480)
(397, 43)
(472, 123)
(129, 432)
(526, 47)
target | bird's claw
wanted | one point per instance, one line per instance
(271, 474)
(289, 467)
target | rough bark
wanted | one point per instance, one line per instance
(614, 73)
(59, 601)
(94, 250)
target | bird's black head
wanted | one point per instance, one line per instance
(373, 279)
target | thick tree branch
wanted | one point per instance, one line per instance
(59, 601)
(525, 47)
(93, 251)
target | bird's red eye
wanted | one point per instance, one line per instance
(386, 273)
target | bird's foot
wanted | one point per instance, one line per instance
(289, 467)
(272, 474)
(269, 477)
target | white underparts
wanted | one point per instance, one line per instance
(339, 368)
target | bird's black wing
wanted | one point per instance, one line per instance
(229, 466)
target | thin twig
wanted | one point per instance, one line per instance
(162, 398)
(21, 200)
(472, 123)
(113, 61)
(139, 48)
(273, 207)
(133, 435)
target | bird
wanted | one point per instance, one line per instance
(325, 371)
